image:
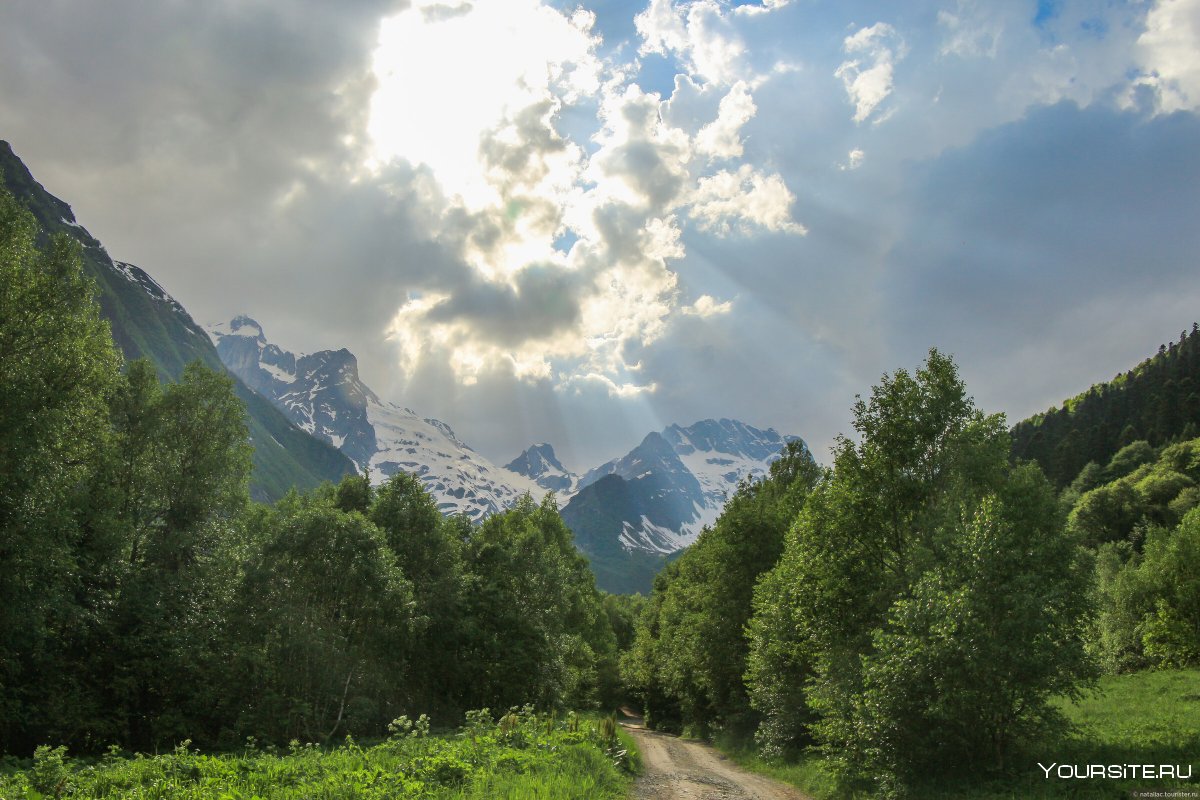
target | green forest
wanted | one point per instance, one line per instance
(932, 611)
(927, 609)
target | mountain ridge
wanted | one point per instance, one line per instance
(629, 515)
(323, 393)
(147, 322)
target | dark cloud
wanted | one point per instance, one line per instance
(1047, 247)
(543, 301)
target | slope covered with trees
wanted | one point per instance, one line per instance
(145, 599)
(146, 323)
(1158, 402)
(912, 612)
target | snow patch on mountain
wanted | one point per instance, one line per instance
(540, 464)
(686, 475)
(323, 394)
(137, 276)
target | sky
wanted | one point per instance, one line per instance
(577, 222)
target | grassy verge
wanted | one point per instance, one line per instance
(524, 755)
(1143, 718)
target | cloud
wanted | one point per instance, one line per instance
(868, 80)
(765, 7)
(702, 34)
(1040, 273)
(706, 306)
(720, 138)
(521, 54)
(1169, 51)
(539, 234)
(569, 313)
(972, 30)
(742, 201)
(854, 160)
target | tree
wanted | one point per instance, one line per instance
(536, 631)
(320, 626)
(428, 550)
(1149, 602)
(170, 491)
(904, 556)
(968, 661)
(694, 650)
(57, 367)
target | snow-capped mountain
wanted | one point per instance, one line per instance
(540, 465)
(686, 475)
(323, 394)
(629, 515)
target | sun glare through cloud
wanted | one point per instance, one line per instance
(475, 93)
(448, 73)
(684, 207)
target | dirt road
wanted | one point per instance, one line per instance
(677, 768)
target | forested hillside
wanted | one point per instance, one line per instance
(147, 323)
(1157, 401)
(917, 619)
(146, 600)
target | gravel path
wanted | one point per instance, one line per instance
(678, 768)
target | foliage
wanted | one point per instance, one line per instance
(1142, 718)
(690, 650)
(1149, 602)
(925, 593)
(319, 626)
(525, 755)
(429, 552)
(146, 600)
(1157, 402)
(57, 368)
(1158, 491)
(535, 625)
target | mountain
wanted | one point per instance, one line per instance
(148, 323)
(540, 465)
(630, 515)
(689, 473)
(634, 513)
(1157, 401)
(323, 394)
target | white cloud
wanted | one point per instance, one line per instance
(699, 33)
(766, 7)
(868, 78)
(706, 306)
(742, 201)
(972, 29)
(854, 160)
(1170, 53)
(721, 137)
(446, 78)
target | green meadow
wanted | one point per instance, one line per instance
(522, 755)
(1148, 717)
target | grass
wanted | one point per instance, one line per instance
(524, 755)
(1141, 718)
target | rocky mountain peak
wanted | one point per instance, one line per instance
(324, 394)
(540, 464)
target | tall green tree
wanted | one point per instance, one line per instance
(694, 650)
(428, 550)
(57, 367)
(923, 549)
(1149, 602)
(537, 631)
(320, 626)
(176, 476)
